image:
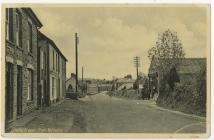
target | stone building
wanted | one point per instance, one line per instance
(187, 69)
(21, 28)
(51, 72)
(126, 83)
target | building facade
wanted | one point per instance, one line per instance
(51, 70)
(187, 69)
(21, 28)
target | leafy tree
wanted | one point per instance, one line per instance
(201, 84)
(168, 47)
(73, 75)
(129, 76)
(136, 85)
(141, 75)
(88, 81)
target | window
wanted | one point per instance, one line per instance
(30, 48)
(53, 88)
(44, 63)
(30, 85)
(18, 29)
(58, 63)
(59, 87)
(41, 58)
(9, 24)
(53, 60)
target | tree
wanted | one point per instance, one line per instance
(201, 84)
(168, 47)
(129, 76)
(141, 75)
(136, 85)
(73, 75)
(173, 77)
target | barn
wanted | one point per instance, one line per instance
(186, 68)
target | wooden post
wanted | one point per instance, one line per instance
(76, 54)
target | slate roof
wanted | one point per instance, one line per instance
(33, 16)
(43, 36)
(191, 65)
(125, 80)
(186, 65)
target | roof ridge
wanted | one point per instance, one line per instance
(53, 43)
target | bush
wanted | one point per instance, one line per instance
(186, 97)
(126, 93)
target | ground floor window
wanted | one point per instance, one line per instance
(59, 88)
(30, 85)
(53, 87)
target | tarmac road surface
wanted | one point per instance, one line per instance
(103, 114)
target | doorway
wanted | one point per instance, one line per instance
(9, 93)
(19, 90)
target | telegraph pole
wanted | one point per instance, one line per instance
(137, 65)
(82, 81)
(76, 54)
(82, 74)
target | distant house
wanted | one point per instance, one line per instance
(126, 83)
(89, 84)
(71, 83)
(187, 70)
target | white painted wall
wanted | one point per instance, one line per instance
(54, 73)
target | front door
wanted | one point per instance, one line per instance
(9, 93)
(19, 90)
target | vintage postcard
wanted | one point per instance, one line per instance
(105, 70)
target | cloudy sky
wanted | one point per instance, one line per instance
(111, 36)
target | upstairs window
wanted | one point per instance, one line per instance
(53, 87)
(44, 62)
(53, 60)
(58, 63)
(30, 47)
(41, 59)
(18, 29)
(9, 24)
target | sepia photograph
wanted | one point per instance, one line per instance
(105, 70)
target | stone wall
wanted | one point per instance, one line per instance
(20, 56)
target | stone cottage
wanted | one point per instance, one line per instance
(51, 72)
(21, 28)
(186, 68)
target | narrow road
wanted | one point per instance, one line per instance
(103, 114)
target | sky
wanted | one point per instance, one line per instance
(110, 37)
